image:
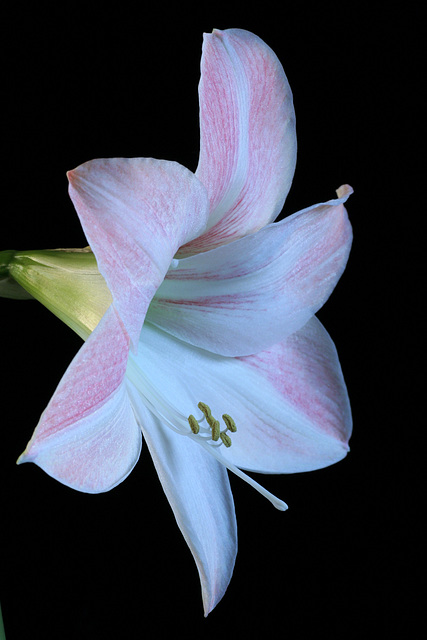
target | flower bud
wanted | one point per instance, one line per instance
(66, 281)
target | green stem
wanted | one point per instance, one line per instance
(2, 633)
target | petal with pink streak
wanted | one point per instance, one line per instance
(245, 296)
(290, 402)
(316, 424)
(247, 136)
(87, 437)
(135, 213)
(199, 494)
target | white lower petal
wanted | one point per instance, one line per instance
(199, 493)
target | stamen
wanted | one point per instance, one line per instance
(211, 421)
(157, 403)
(231, 425)
(190, 426)
(215, 430)
(194, 425)
(225, 439)
(205, 409)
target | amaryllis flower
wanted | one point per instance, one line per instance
(210, 346)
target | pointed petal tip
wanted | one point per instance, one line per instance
(73, 179)
(207, 608)
(26, 456)
(74, 175)
(210, 601)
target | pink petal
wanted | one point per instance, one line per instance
(245, 296)
(248, 140)
(290, 402)
(87, 437)
(308, 424)
(199, 493)
(136, 212)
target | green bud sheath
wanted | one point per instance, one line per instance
(9, 288)
(66, 281)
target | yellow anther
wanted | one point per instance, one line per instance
(225, 439)
(231, 425)
(205, 409)
(211, 420)
(194, 425)
(215, 430)
(214, 425)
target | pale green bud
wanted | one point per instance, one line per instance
(66, 281)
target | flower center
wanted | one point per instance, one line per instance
(209, 437)
(206, 428)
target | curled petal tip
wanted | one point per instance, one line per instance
(344, 191)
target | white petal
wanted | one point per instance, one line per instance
(199, 493)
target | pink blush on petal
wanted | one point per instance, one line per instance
(311, 389)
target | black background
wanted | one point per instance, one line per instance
(340, 561)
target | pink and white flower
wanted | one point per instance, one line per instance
(212, 302)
